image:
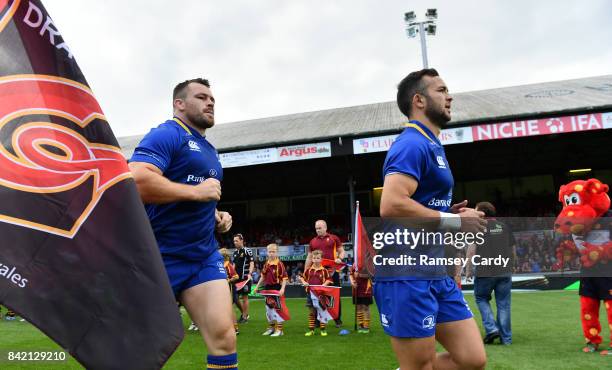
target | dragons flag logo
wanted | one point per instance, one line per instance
(44, 153)
(72, 221)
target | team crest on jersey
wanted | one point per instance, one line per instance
(45, 155)
(193, 146)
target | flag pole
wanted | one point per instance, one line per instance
(354, 290)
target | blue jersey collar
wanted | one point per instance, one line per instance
(190, 131)
(423, 130)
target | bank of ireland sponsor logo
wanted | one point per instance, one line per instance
(42, 151)
(429, 322)
(435, 202)
(194, 178)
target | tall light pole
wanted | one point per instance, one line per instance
(413, 27)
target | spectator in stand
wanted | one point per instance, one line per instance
(535, 266)
(525, 267)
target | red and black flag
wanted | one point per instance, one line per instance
(327, 299)
(364, 253)
(78, 258)
(241, 284)
(276, 308)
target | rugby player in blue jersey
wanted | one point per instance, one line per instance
(418, 308)
(178, 175)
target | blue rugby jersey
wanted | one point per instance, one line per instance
(182, 229)
(417, 152)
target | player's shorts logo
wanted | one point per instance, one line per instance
(51, 175)
(221, 268)
(429, 322)
(383, 320)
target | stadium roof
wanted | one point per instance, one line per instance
(484, 106)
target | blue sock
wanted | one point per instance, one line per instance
(228, 362)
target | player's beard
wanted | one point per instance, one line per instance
(436, 115)
(201, 121)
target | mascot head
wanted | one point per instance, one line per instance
(583, 203)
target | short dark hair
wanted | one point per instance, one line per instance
(179, 90)
(239, 236)
(411, 85)
(487, 208)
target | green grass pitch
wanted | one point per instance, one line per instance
(546, 335)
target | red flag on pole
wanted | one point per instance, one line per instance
(328, 299)
(363, 251)
(331, 264)
(239, 285)
(85, 266)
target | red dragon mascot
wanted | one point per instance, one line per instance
(585, 217)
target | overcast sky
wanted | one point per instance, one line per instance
(271, 57)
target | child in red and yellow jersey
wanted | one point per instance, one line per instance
(362, 298)
(273, 277)
(316, 274)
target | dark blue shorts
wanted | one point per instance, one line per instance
(184, 274)
(411, 308)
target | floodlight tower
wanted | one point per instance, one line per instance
(413, 27)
